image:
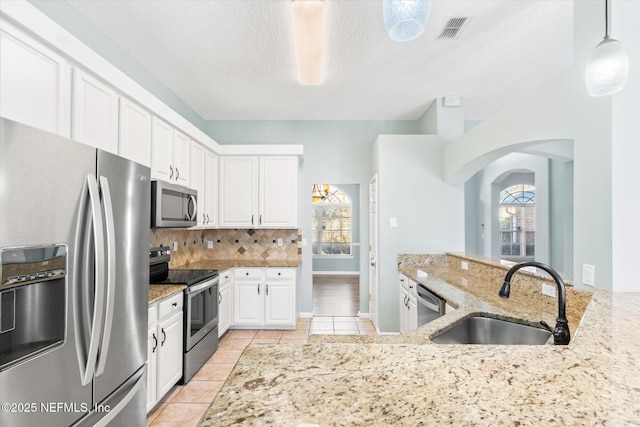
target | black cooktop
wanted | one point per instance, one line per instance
(183, 277)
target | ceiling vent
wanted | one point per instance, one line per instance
(452, 28)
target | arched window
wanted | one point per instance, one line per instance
(331, 222)
(518, 222)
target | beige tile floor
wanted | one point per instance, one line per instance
(184, 405)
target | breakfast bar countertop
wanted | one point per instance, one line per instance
(408, 380)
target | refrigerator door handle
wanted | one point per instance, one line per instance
(91, 184)
(111, 273)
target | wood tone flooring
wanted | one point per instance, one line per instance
(336, 295)
(184, 405)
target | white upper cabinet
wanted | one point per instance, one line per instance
(212, 179)
(204, 179)
(239, 191)
(95, 112)
(170, 153)
(278, 192)
(181, 157)
(135, 132)
(258, 192)
(35, 82)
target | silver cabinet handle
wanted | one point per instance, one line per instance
(164, 337)
(155, 343)
(207, 218)
(219, 297)
(171, 174)
(251, 219)
(267, 290)
(258, 288)
(204, 219)
(177, 173)
(260, 220)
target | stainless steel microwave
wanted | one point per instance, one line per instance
(173, 205)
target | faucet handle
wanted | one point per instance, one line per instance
(546, 326)
(561, 333)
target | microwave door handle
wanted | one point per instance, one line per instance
(91, 185)
(111, 273)
(192, 200)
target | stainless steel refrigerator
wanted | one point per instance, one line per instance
(74, 248)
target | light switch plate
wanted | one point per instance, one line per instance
(279, 242)
(393, 222)
(548, 290)
(175, 246)
(464, 265)
(209, 244)
(304, 242)
(588, 274)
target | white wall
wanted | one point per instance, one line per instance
(604, 137)
(429, 212)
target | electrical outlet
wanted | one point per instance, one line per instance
(548, 290)
(464, 265)
(209, 244)
(175, 246)
(279, 242)
(393, 222)
(304, 242)
(588, 274)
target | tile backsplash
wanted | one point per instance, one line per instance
(228, 244)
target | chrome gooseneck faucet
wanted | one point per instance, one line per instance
(561, 334)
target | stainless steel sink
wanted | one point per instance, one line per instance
(487, 330)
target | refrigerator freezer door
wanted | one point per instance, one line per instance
(129, 194)
(41, 181)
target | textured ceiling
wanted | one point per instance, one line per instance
(234, 60)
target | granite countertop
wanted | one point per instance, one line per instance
(225, 264)
(408, 380)
(158, 292)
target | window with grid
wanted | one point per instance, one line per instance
(331, 222)
(518, 222)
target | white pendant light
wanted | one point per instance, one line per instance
(405, 19)
(608, 66)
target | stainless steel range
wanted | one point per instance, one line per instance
(200, 308)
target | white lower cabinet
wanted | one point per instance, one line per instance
(164, 356)
(408, 308)
(264, 297)
(225, 302)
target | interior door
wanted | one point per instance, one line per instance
(373, 249)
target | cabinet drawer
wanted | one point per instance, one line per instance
(225, 277)
(170, 305)
(280, 273)
(153, 315)
(248, 273)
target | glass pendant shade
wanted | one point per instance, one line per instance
(607, 69)
(405, 19)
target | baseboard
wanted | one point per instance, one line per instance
(305, 315)
(335, 273)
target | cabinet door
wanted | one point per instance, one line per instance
(412, 314)
(162, 150)
(35, 83)
(238, 192)
(278, 192)
(279, 303)
(198, 174)
(135, 132)
(211, 172)
(247, 302)
(181, 157)
(402, 310)
(95, 112)
(152, 367)
(225, 309)
(169, 353)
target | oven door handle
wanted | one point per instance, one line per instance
(431, 305)
(200, 287)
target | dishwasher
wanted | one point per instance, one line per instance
(430, 305)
